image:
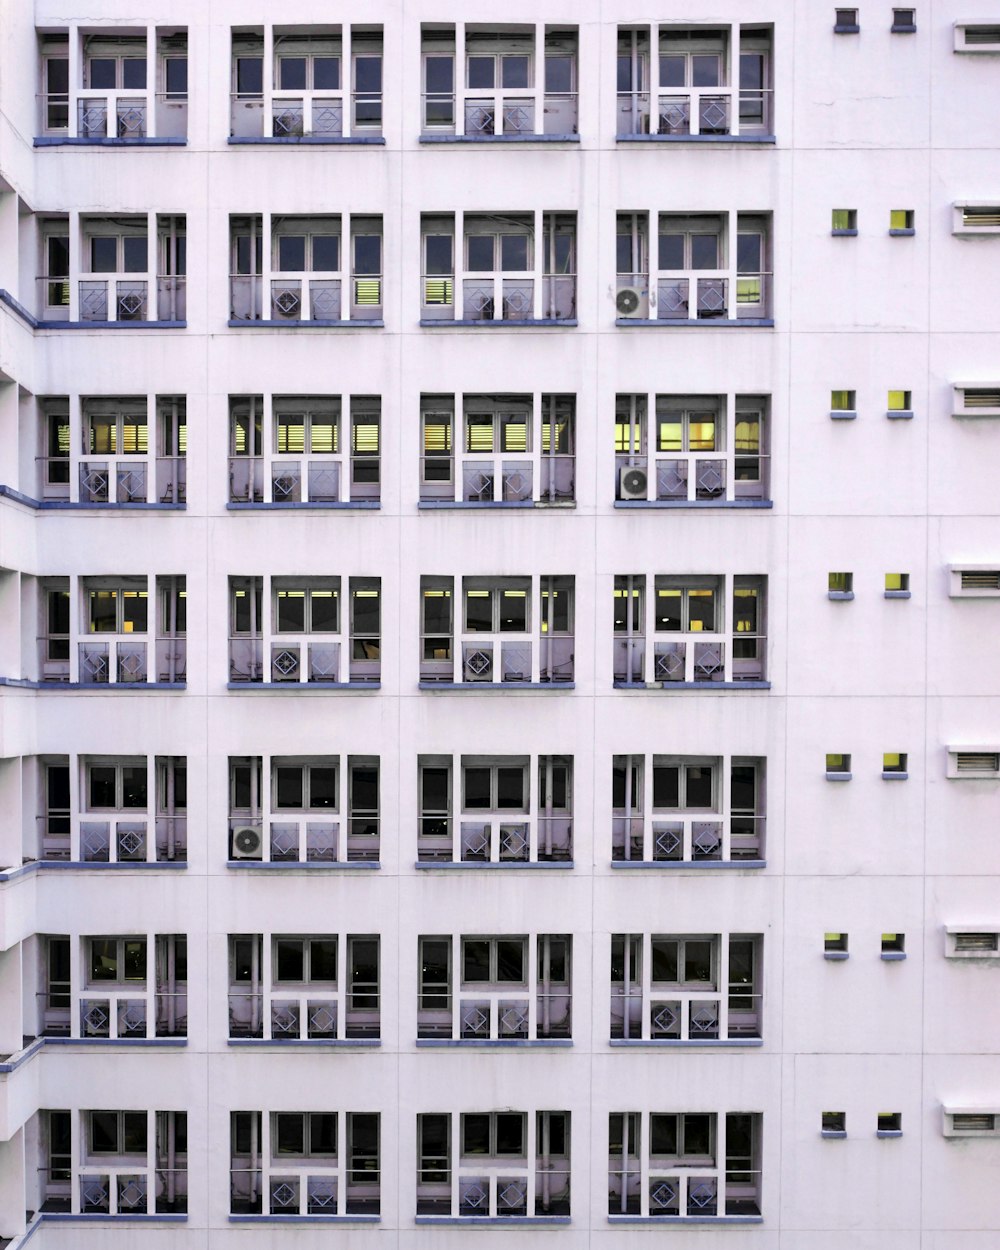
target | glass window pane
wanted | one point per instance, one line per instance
(325, 253)
(102, 74)
(437, 252)
(288, 960)
(698, 782)
(323, 959)
(481, 72)
(134, 73)
(558, 74)
(663, 1134)
(134, 606)
(664, 968)
(58, 255)
(57, 75)
(288, 786)
(289, 1135)
(134, 254)
(134, 964)
(291, 606)
(475, 961)
(701, 610)
(510, 789)
(326, 73)
(134, 786)
(436, 789)
(103, 959)
(672, 71)
(668, 610)
(324, 606)
(292, 253)
(515, 71)
(705, 71)
(368, 75)
(514, 252)
(749, 249)
(480, 252)
(510, 962)
(704, 251)
(292, 73)
(698, 962)
(103, 793)
(478, 611)
(701, 434)
(475, 1134)
(322, 787)
(176, 75)
(513, 611)
(671, 434)
(249, 75)
(478, 795)
(666, 786)
(439, 74)
(103, 612)
(510, 1134)
(479, 432)
(104, 254)
(323, 1133)
(672, 251)
(698, 1135)
(367, 254)
(437, 612)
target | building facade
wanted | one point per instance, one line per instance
(572, 442)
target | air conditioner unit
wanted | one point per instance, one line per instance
(631, 302)
(633, 483)
(247, 842)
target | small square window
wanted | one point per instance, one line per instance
(890, 1124)
(894, 764)
(897, 585)
(838, 765)
(835, 945)
(899, 400)
(844, 221)
(893, 943)
(843, 405)
(840, 585)
(846, 22)
(833, 1123)
(901, 221)
(904, 21)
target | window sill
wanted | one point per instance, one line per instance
(847, 30)
(705, 323)
(844, 414)
(508, 865)
(836, 956)
(62, 865)
(892, 957)
(844, 234)
(705, 686)
(832, 1134)
(694, 503)
(111, 325)
(674, 864)
(903, 30)
(906, 233)
(445, 505)
(64, 505)
(838, 776)
(900, 414)
(63, 141)
(493, 687)
(305, 1219)
(672, 1220)
(307, 1043)
(352, 505)
(840, 596)
(759, 139)
(20, 1057)
(304, 865)
(60, 1217)
(436, 323)
(888, 1132)
(302, 687)
(247, 324)
(306, 141)
(900, 776)
(100, 687)
(896, 594)
(497, 1221)
(495, 1043)
(489, 140)
(678, 1043)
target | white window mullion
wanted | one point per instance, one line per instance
(343, 984)
(455, 1152)
(726, 805)
(150, 812)
(266, 984)
(152, 68)
(654, 80)
(727, 429)
(343, 811)
(75, 55)
(76, 974)
(646, 979)
(347, 88)
(260, 800)
(454, 985)
(458, 307)
(535, 443)
(731, 75)
(645, 762)
(77, 614)
(77, 443)
(732, 226)
(723, 940)
(536, 971)
(726, 623)
(266, 242)
(77, 246)
(538, 94)
(643, 1135)
(268, 80)
(538, 261)
(460, 77)
(532, 1152)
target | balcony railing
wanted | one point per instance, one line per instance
(309, 1016)
(698, 111)
(703, 477)
(305, 839)
(685, 1015)
(305, 661)
(688, 839)
(705, 658)
(118, 661)
(497, 839)
(127, 114)
(122, 299)
(502, 113)
(297, 117)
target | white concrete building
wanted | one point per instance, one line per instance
(499, 564)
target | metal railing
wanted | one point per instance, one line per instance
(693, 111)
(117, 661)
(687, 839)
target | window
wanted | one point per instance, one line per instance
(840, 585)
(838, 767)
(894, 765)
(899, 404)
(304, 787)
(699, 1164)
(116, 1133)
(833, 1124)
(835, 946)
(307, 609)
(116, 787)
(901, 219)
(55, 88)
(846, 22)
(116, 961)
(893, 945)
(305, 1135)
(843, 404)
(889, 1124)
(117, 609)
(844, 221)
(904, 21)
(125, 71)
(897, 586)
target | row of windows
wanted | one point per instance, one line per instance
(468, 1164)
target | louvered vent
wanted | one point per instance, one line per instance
(982, 943)
(981, 579)
(982, 35)
(969, 1122)
(982, 216)
(981, 397)
(974, 762)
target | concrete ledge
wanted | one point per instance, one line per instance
(896, 594)
(706, 687)
(836, 956)
(900, 414)
(892, 957)
(840, 596)
(678, 1043)
(478, 865)
(305, 325)
(307, 1043)
(64, 505)
(96, 687)
(60, 141)
(832, 1134)
(433, 323)
(500, 140)
(895, 776)
(674, 1220)
(845, 232)
(490, 687)
(74, 865)
(305, 1219)
(445, 505)
(742, 504)
(844, 414)
(356, 141)
(110, 325)
(495, 1043)
(497, 1221)
(906, 233)
(310, 865)
(838, 776)
(359, 505)
(735, 139)
(302, 687)
(704, 323)
(673, 865)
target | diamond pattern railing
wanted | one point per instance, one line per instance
(131, 119)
